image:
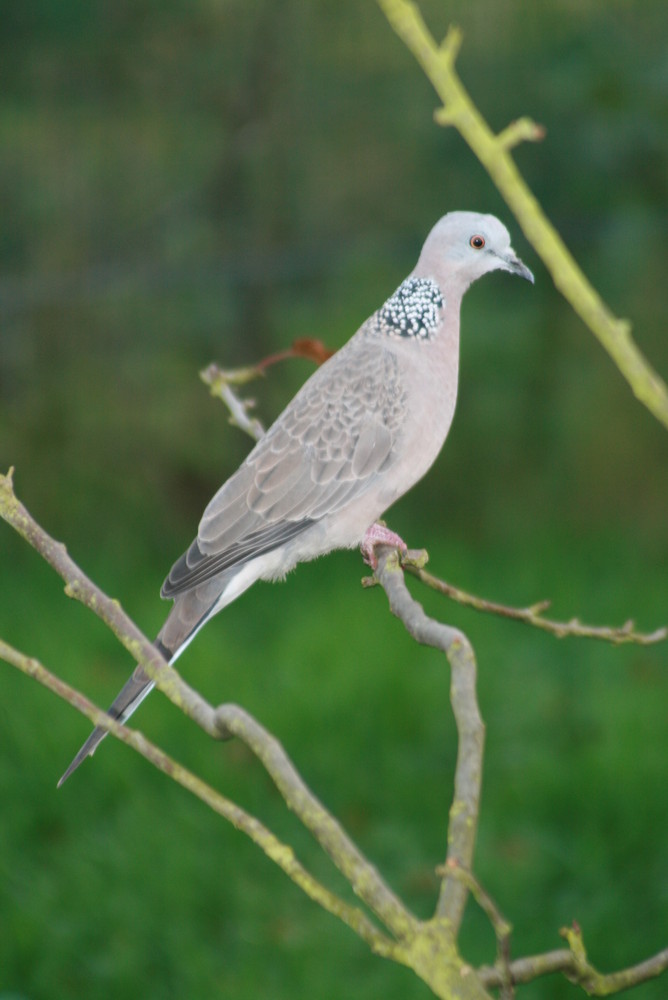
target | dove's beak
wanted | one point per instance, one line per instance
(515, 266)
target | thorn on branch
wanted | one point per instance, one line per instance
(539, 607)
(214, 376)
(415, 557)
(7, 497)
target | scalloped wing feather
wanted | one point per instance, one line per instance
(323, 451)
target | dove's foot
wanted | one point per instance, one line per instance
(378, 534)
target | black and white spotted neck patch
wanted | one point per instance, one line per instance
(413, 310)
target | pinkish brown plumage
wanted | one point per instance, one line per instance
(361, 432)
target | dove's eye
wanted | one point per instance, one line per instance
(477, 242)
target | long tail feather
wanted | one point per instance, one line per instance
(130, 697)
(182, 625)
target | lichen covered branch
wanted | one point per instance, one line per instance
(363, 877)
(470, 728)
(572, 962)
(280, 853)
(82, 589)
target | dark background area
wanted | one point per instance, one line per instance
(184, 182)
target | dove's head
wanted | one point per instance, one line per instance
(463, 246)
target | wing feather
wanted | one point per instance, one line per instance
(323, 451)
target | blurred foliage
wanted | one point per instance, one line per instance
(190, 181)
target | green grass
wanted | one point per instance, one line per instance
(120, 884)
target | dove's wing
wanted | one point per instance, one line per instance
(338, 433)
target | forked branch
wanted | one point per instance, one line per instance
(465, 806)
(427, 947)
(411, 943)
(572, 963)
(280, 853)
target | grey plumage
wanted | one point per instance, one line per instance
(362, 430)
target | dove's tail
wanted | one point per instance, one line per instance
(190, 612)
(128, 699)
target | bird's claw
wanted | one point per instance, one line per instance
(379, 534)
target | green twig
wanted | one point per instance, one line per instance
(493, 152)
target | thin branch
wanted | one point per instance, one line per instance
(221, 381)
(366, 881)
(470, 728)
(82, 589)
(280, 853)
(302, 347)
(598, 984)
(363, 877)
(493, 152)
(428, 948)
(525, 970)
(502, 928)
(414, 561)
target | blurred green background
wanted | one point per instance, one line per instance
(193, 180)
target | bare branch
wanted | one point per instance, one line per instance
(220, 382)
(302, 347)
(80, 587)
(280, 853)
(428, 948)
(361, 874)
(594, 983)
(493, 152)
(225, 721)
(502, 928)
(414, 561)
(470, 728)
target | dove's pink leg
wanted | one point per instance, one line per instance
(378, 534)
